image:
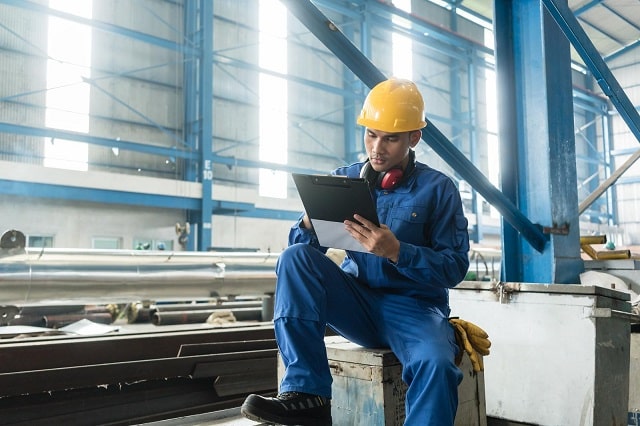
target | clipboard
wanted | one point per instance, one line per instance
(329, 200)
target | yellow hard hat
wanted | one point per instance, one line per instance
(394, 105)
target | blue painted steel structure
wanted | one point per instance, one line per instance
(608, 83)
(199, 153)
(342, 47)
(204, 118)
(534, 87)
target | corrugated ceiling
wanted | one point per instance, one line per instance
(612, 25)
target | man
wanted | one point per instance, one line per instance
(395, 296)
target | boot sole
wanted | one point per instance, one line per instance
(253, 413)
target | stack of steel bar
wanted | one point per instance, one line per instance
(166, 313)
(190, 313)
(59, 315)
(125, 378)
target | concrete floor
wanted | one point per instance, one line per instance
(230, 417)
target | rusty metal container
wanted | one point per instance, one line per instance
(368, 389)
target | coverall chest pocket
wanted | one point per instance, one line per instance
(408, 224)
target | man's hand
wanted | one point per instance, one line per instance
(306, 222)
(378, 240)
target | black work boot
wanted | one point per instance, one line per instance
(288, 408)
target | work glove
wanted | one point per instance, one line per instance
(473, 340)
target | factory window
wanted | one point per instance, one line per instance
(40, 241)
(493, 150)
(67, 99)
(402, 45)
(106, 243)
(273, 97)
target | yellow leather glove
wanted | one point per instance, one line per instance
(473, 340)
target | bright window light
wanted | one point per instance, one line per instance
(273, 121)
(67, 99)
(402, 45)
(493, 151)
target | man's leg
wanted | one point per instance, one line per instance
(424, 342)
(311, 291)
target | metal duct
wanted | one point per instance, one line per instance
(33, 275)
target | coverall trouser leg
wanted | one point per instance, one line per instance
(312, 292)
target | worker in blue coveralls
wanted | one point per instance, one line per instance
(394, 294)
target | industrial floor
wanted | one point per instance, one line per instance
(230, 417)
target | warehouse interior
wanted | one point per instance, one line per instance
(146, 153)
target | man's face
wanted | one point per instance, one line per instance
(388, 150)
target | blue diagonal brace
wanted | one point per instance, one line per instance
(569, 24)
(361, 66)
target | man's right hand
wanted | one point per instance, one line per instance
(306, 222)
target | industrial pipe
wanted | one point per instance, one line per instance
(114, 276)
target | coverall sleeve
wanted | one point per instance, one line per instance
(298, 234)
(443, 261)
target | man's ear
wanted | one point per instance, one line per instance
(415, 138)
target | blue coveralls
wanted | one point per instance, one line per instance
(375, 303)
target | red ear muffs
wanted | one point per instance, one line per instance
(390, 179)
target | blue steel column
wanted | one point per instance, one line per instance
(190, 92)
(359, 86)
(593, 156)
(198, 99)
(205, 99)
(351, 146)
(612, 202)
(537, 140)
(476, 202)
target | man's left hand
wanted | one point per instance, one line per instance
(378, 240)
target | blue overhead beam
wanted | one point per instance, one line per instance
(234, 208)
(77, 193)
(360, 65)
(587, 6)
(622, 17)
(227, 60)
(102, 196)
(416, 33)
(83, 137)
(622, 51)
(589, 54)
(144, 148)
(386, 9)
(104, 26)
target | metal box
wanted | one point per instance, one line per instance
(559, 354)
(368, 389)
(634, 381)
(628, 270)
